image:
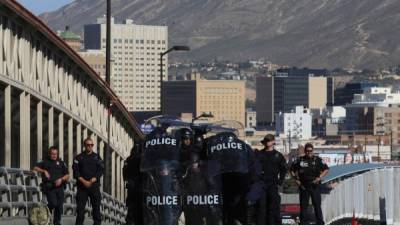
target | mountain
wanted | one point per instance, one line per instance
(312, 33)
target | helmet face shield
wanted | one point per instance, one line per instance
(186, 133)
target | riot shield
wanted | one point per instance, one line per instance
(202, 199)
(229, 166)
(161, 184)
(230, 152)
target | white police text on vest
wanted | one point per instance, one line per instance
(162, 200)
(202, 200)
(161, 141)
(225, 146)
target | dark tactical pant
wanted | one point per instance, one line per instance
(82, 196)
(134, 205)
(313, 192)
(269, 206)
(55, 202)
(194, 215)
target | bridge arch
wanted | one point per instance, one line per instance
(50, 96)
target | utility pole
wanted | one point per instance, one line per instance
(107, 153)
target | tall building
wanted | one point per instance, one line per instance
(135, 50)
(225, 99)
(283, 92)
(378, 95)
(72, 39)
(295, 124)
(376, 112)
(97, 60)
(344, 95)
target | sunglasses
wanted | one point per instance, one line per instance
(89, 145)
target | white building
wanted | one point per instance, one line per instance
(296, 125)
(135, 50)
(377, 95)
(251, 118)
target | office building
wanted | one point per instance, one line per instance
(344, 95)
(296, 124)
(97, 60)
(283, 92)
(225, 99)
(135, 49)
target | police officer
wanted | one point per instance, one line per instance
(54, 176)
(133, 178)
(88, 168)
(239, 173)
(193, 179)
(308, 171)
(274, 169)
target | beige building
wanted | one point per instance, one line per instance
(225, 99)
(317, 92)
(135, 49)
(375, 119)
(97, 60)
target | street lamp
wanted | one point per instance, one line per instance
(203, 115)
(174, 48)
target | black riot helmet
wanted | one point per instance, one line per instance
(186, 133)
(227, 136)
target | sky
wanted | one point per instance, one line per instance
(41, 6)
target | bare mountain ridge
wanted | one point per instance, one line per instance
(312, 33)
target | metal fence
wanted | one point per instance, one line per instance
(374, 195)
(19, 191)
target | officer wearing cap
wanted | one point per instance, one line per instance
(88, 169)
(274, 169)
(54, 176)
(308, 171)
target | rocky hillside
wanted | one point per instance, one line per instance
(312, 33)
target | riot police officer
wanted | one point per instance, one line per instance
(234, 163)
(133, 178)
(193, 180)
(308, 171)
(274, 170)
(88, 168)
(54, 176)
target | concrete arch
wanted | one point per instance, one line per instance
(50, 96)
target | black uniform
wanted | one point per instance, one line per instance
(54, 195)
(308, 169)
(88, 166)
(133, 178)
(194, 183)
(274, 170)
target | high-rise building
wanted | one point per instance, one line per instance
(344, 95)
(225, 99)
(295, 124)
(283, 92)
(97, 60)
(135, 49)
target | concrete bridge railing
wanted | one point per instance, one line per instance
(374, 195)
(20, 191)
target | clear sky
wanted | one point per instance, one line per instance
(40, 6)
